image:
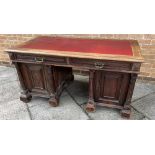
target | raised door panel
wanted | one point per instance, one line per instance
(37, 78)
(110, 87)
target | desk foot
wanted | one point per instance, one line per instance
(126, 113)
(72, 78)
(25, 97)
(90, 107)
(53, 102)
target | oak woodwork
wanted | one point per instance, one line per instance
(46, 72)
(43, 81)
(127, 108)
(91, 103)
(25, 95)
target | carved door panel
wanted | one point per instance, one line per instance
(37, 78)
(110, 87)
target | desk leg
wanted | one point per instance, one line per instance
(25, 96)
(90, 107)
(126, 111)
(61, 78)
(53, 101)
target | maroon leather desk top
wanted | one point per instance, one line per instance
(115, 47)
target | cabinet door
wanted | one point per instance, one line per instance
(110, 87)
(37, 78)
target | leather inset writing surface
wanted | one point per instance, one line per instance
(116, 47)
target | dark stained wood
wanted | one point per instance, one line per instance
(106, 65)
(126, 111)
(25, 94)
(46, 73)
(109, 87)
(101, 64)
(90, 107)
(35, 76)
(44, 81)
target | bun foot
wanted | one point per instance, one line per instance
(90, 107)
(72, 78)
(53, 102)
(25, 98)
(126, 113)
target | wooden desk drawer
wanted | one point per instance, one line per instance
(41, 59)
(27, 58)
(24, 57)
(55, 60)
(100, 64)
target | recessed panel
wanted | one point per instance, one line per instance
(37, 77)
(110, 87)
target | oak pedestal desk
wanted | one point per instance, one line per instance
(44, 66)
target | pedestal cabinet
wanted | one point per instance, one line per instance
(43, 81)
(110, 87)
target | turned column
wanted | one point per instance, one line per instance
(126, 111)
(90, 107)
(25, 95)
(53, 101)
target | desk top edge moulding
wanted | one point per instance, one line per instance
(100, 49)
(44, 67)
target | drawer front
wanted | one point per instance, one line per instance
(100, 64)
(24, 57)
(41, 59)
(55, 60)
(29, 58)
(78, 62)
